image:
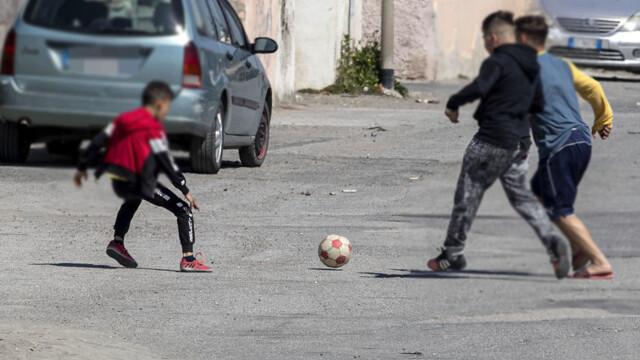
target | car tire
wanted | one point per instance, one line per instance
(254, 154)
(206, 152)
(14, 142)
(64, 147)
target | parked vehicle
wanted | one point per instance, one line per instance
(595, 32)
(70, 66)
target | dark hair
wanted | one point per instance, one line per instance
(534, 27)
(496, 20)
(156, 91)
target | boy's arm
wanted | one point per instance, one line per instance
(92, 152)
(537, 106)
(591, 91)
(167, 165)
(489, 74)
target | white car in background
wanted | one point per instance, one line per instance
(597, 33)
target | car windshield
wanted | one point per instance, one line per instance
(134, 17)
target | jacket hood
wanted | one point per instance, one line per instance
(139, 120)
(524, 55)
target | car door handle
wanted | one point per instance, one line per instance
(248, 64)
(229, 56)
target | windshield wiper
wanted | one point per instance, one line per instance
(120, 31)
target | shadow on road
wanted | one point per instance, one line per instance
(77, 265)
(465, 274)
(324, 269)
(97, 266)
(448, 216)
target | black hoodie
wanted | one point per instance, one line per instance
(509, 88)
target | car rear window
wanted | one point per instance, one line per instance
(127, 17)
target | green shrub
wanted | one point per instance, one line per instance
(359, 68)
(401, 89)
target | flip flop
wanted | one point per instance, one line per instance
(583, 274)
(579, 261)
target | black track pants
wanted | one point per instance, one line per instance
(163, 198)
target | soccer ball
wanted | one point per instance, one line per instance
(335, 251)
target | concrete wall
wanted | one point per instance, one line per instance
(274, 19)
(439, 39)
(309, 33)
(319, 30)
(460, 48)
(415, 38)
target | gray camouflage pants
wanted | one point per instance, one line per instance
(483, 164)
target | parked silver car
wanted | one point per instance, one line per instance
(599, 33)
(70, 66)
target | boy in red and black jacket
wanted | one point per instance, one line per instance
(136, 152)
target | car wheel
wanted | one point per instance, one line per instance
(254, 154)
(14, 142)
(64, 147)
(206, 152)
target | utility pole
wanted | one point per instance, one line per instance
(387, 72)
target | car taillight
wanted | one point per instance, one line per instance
(192, 71)
(9, 54)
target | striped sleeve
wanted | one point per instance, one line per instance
(92, 152)
(160, 148)
(591, 91)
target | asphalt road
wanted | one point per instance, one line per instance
(269, 296)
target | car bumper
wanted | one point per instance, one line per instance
(616, 50)
(186, 116)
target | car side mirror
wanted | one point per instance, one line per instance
(264, 45)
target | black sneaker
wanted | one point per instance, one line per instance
(444, 262)
(560, 254)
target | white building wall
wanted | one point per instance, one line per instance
(319, 29)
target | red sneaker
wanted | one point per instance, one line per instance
(195, 265)
(120, 254)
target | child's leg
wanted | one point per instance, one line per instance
(569, 167)
(575, 230)
(523, 200)
(482, 165)
(116, 249)
(164, 198)
(123, 220)
(132, 199)
(514, 182)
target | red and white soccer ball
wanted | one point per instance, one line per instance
(335, 251)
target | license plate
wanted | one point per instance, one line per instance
(581, 43)
(98, 61)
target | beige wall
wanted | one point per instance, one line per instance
(414, 35)
(439, 39)
(459, 36)
(272, 18)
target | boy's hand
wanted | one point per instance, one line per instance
(452, 115)
(604, 133)
(77, 178)
(192, 202)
